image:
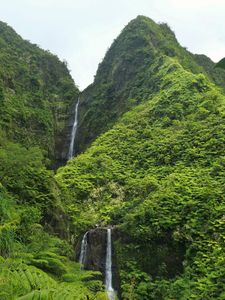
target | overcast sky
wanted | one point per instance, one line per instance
(80, 31)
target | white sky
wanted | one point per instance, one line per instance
(80, 31)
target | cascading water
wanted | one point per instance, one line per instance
(108, 267)
(74, 131)
(83, 250)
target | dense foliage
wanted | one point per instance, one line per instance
(36, 94)
(158, 175)
(221, 63)
(125, 77)
(35, 264)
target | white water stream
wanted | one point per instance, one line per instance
(73, 132)
(83, 250)
(108, 267)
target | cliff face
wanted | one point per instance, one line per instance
(96, 253)
(37, 95)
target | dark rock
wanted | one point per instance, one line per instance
(96, 251)
(96, 254)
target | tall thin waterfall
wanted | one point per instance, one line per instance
(83, 250)
(108, 267)
(74, 131)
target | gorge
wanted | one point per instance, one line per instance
(141, 149)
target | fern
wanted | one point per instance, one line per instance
(52, 265)
(60, 292)
(19, 281)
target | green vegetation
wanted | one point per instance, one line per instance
(126, 76)
(215, 73)
(34, 264)
(158, 175)
(221, 63)
(36, 94)
(154, 119)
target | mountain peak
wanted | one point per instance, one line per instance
(120, 75)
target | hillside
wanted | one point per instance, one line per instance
(125, 77)
(37, 98)
(36, 95)
(158, 174)
(215, 74)
(221, 64)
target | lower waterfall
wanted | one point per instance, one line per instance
(108, 267)
(95, 253)
(83, 250)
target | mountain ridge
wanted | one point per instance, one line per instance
(121, 75)
(37, 93)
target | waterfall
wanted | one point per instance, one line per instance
(108, 267)
(74, 130)
(83, 250)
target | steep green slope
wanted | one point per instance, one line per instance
(125, 77)
(158, 175)
(34, 262)
(217, 75)
(36, 95)
(221, 64)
